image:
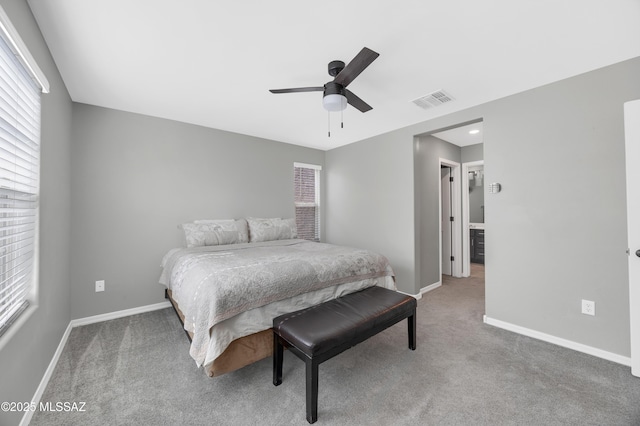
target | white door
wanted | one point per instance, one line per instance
(632, 137)
(446, 228)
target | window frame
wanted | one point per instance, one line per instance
(32, 71)
(318, 202)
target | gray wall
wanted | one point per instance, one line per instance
(472, 153)
(135, 178)
(552, 240)
(25, 357)
(370, 200)
(428, 152)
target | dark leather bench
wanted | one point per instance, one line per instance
(321, 332)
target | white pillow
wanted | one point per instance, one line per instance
(241, 225)
(213, 233)
(271, 229)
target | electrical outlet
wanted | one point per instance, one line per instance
(99, 286)
(588, 307)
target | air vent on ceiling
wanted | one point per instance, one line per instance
(434, 99)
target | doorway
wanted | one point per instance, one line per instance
(470, 221)
(432, 152)
(472, 215)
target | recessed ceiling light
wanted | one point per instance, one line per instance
(474, 131)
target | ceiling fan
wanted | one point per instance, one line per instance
(335, 93)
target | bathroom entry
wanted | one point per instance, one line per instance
(473, 214)
(475, 175)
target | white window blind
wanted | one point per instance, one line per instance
(307, 200)
(19, 181)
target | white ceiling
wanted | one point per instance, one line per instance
(461, 136)
(212, 62)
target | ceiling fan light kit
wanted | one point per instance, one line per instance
(335, 96)
(334, 102)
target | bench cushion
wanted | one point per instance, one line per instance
(320, 328)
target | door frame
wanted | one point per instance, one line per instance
(466, 245)
(632, 153)
(456, 267)
(446, 226)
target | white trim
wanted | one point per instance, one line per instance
(632, 153)
(307, 166)
(47, 376)
(18, 45)
(430, 287)
(466, 249)
(456, 270)
(569, 344)
(416, 296)
(17, 324)
(423, 290)
(119, 314)
(76, 323)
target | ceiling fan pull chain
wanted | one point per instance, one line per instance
(342, 119)
(329, 123)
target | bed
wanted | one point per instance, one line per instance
(234, 276)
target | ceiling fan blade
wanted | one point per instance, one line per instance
(356, 66)
(356, 102)
(298, 89)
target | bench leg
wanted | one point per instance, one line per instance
(411, 322)
(312, 390)
(277, 360)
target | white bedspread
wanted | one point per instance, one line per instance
(227, 292)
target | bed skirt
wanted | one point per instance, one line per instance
(240, 353)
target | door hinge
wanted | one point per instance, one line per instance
(450, 178)
(452, 259)
(450, 218)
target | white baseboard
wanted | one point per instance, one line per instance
(569, 344)
(119, 314)
(423, 290)
(430, 287)
(76, 323)
(26, 419)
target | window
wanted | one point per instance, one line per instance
(20, 87)
(307, 200)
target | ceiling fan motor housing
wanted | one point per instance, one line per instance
(335, 67)
(332, 88)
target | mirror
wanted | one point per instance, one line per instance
(476, 194)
